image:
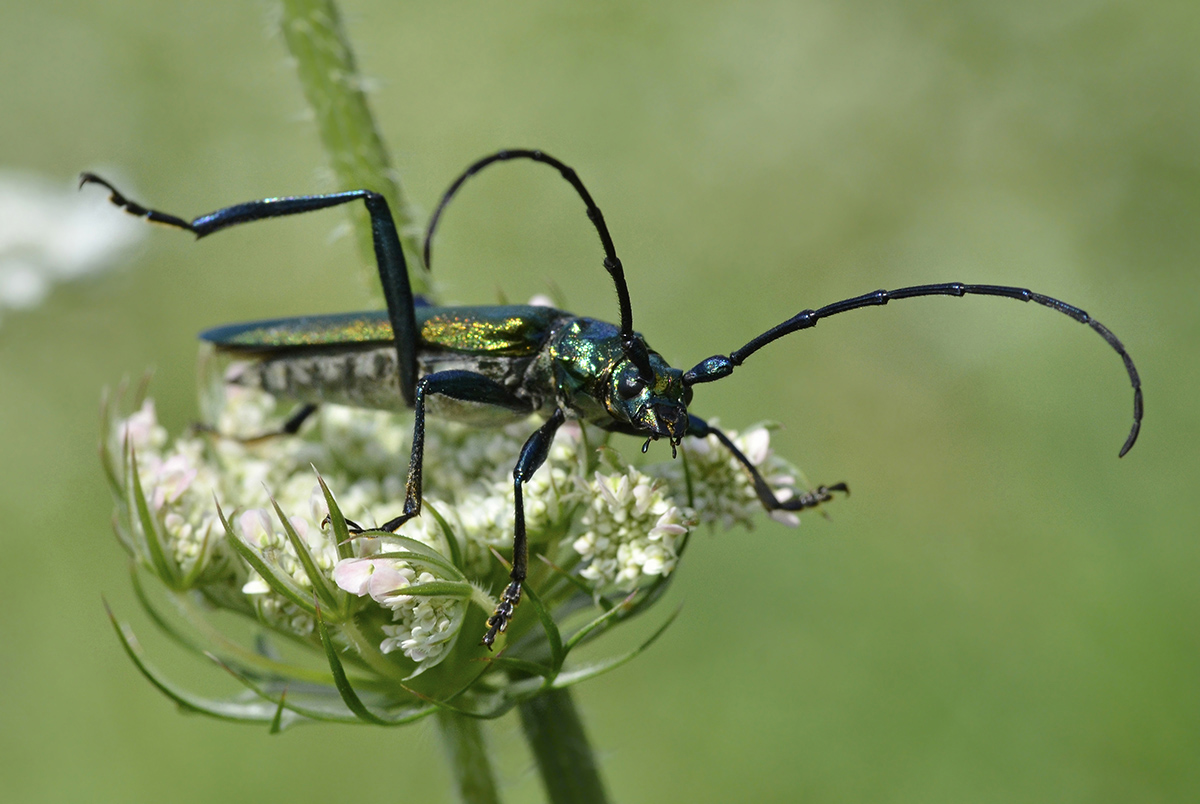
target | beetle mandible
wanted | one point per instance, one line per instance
(495, 364)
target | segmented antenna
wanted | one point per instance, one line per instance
(718, 366)
(634, 348)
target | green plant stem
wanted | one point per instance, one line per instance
(564, 757)
(462, 738)
(333, 87)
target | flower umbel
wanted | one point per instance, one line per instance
(248, 526)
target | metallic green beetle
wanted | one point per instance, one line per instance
(494, 364)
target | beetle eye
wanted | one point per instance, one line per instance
(630, 385)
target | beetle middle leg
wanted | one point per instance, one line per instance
(464, 386)
(809, 499)
(472, 388)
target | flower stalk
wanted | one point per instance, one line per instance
(566, 763)
(335, 91)
(470, 764)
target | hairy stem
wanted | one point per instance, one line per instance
(333, 87)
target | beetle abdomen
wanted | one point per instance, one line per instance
(356, 376)
(364, 375)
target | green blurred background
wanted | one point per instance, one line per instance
(1002, 612)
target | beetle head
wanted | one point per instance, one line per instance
(654, 402)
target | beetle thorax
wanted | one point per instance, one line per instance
(596, 381)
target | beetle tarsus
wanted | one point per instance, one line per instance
(498, 622)
(813, 498)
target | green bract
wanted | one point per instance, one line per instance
(389, 624)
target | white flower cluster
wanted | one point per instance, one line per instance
(180, 482)
(468, 477)
(617, 526)
(178, 486)
(633, 530)
(426, 626)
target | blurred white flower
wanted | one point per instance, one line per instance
(50, 233)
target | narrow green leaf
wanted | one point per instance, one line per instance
(278, 582)
(164, 567)
(587, 455)
(611, 614)
(327, 714)
(224, 709)
(330, 595)
(108, 420)
(447, 533)
(649, 597)
(421, 549)
(553, 636)
(156, 617)
(503, 704)
(458, 589)
(576, 581)
(201, 562)
(440, 564)
(142, 389)
(576, 675)
(277, 721)
(227, 651)
(350, 697)
(523, 666)
(341, 531)
(523, 689)
(124, 535)
(687, 480)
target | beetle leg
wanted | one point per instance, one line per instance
(466, 386)
(809, 499)
(389, 256)
(290, 427)
(533, 455)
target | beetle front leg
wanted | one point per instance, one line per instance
(533, 455)
(809, 499)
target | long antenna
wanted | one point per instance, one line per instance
(718, 366)
(635, 350)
